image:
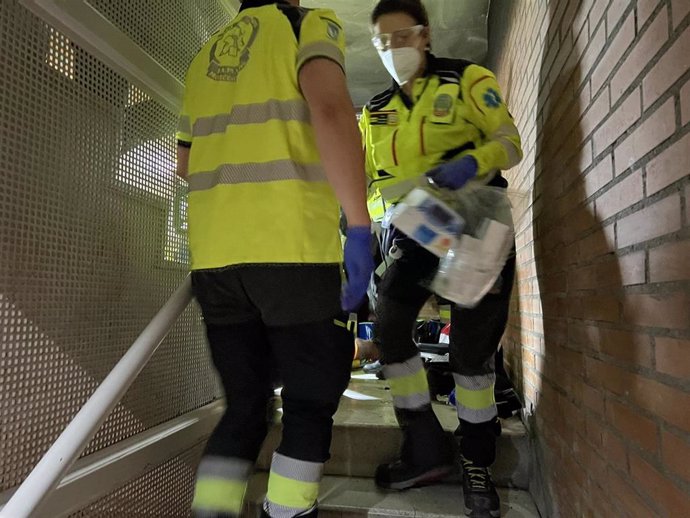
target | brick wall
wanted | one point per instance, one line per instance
(599, 337)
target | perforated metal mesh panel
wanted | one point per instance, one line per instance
(91, 246)
(171, 31)
(164, 492)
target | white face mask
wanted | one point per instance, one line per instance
(401, 63)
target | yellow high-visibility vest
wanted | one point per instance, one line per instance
(457, 109)
(257, 190)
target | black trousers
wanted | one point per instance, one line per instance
(266, 319)
(475, 333)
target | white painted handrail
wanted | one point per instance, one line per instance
(71, 443)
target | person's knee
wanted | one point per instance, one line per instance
(307, 429)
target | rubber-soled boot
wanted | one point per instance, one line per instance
(481, 498)
(426, 456)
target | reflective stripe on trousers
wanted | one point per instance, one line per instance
(475, 398)
(409, 386)
(220, 486)
(293, 486)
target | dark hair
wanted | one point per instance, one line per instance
(413, 8)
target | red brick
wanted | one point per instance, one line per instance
(668, 403)
(615, 13)
(685, 103)
(632, 268)
(608, 273)
(654, 130)
(645, 8)
(616, 451)
(581, 16)
(596, 44)
(633, 426)
(599, 176)
(596, 16)
(594, 431)
(583, 278)
(612, 378)
(680, 8)
(658, 310)
(584, 337)
(614, 52)
(602, 308)
(676, 454)
(597, 112)
(673, 357)
(670, 262)
(643, 52)
(595, 245)
(669, 167)
(618, 122)
(633, 348)
(658, 219)
(671, 66)
(665, 493)
(628, 499)
(624, 194)
(593, 399)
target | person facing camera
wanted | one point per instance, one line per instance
(445, 118)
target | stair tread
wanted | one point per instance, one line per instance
(357, 496)
(368, 404)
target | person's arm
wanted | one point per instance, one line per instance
(503, 148)
(182, 161)
(340, 144)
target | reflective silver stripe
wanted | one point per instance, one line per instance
(481, 382)
(406, 368)
(276, 171)
(296, 469)
(320, 49)
(184, 125)
(477, 416)
(281, 511)
(502, 135)
(412, 402)
(293, 110)
(225, 468)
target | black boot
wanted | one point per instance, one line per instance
(481, 498)
(426, 455)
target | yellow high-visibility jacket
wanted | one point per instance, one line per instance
(257, 190)
(457, 109)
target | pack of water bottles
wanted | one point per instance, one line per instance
(470, 229)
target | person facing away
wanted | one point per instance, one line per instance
(269, 145)
(445, 118)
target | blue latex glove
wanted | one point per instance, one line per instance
(359, 265)
(454, 175)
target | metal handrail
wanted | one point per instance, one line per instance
(71, 443)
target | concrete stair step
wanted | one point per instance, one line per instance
(343, 497)
(366, 434)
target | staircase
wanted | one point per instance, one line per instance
(366, 434)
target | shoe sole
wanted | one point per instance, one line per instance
(493, 514)
(430, 477)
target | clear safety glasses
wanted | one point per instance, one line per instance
(396, 39)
